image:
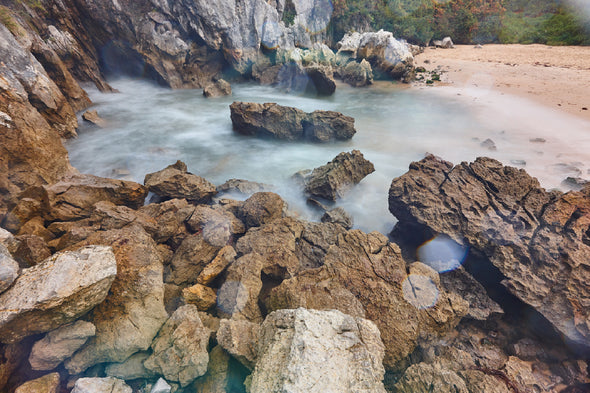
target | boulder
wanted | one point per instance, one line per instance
(57, 291)
(31, 250)
(130, 317)
(224, 258)
(8, 269)
(322, 80)
(222, 374)
(175, 182)
(46, 384)
(218, 224)
(357, 74)
(317, 351)
(189, 260)
(201, 296)
(60, 344)
(217, 88)
(161, 386)
(240, 339)
(101, 385)
(130, 369)
(171, 217)
(424, 377)
(445, 43)
(262, 208)
(338, 216)
(282, 122)
(243, 187)
(538, 240)
(332, 180)
(92, 117)
(180, 349)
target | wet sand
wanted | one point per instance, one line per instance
(556, 77)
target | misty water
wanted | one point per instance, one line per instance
(150, 127)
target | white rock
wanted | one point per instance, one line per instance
(161, 387)
(101, 385)
(8, 268)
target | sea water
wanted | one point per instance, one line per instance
(150, 127)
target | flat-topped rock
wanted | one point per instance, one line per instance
(175, 181)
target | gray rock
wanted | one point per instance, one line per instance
(243, 187)
(357, 74)
(8, 269)
(217, 88)
(489, 144)
(424, 377)
(338, 216)
(56, 292)
(262, 208)
(101, 385)
(317, 351)
(180, 349)
(132, 368)
(161, 386)
(60, 344)
(239, 338)
(332, 180)
(46, 384)
(175, 182)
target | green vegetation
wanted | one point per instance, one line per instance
(289, 13)
(466, 21)
(7, 20)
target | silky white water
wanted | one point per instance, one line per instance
(150, 127)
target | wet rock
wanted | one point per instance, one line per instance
(130, 317)
(31, 250)
(218, 224)
(8, 269)
(201, 296)
(60, 344)
(13, 360)
(332, 180)
(180, 349)
(575, 183)
(537, 140)
(56, 292)
(132, 368)
(322, 79)
(282, 122)
(262, 208)
(175, 182)
(93, 118)
(190, 259)
(244, 187)
(357, 74)
(217, 88)
(171, 217)
(221, 377)
(537, 239)
(316, 351)
(424, 377)
(46, 384)
(338, 216)
(240, 339)
(101, 385)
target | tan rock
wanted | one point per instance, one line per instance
(201, 296)
(46, 384)
(175, 182)
(224, 258)
(262, 208)
(240, 339)
(190, 259)
(92, 117)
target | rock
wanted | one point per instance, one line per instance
(425, 377)
(190, 259)
(322, 79)
(132, 368)
(489, 144)
(46, 384)
(217, 88)
(13, 360)
(36, 227)
(201, 296)
(446, 43)
(56, 292)
(575, 183)
(60, 344)
(8, 269)
(218, 224)
(175, 182)
(338, 216)
(224, 258)
(357, 74)
(101, 385)
(107, 216)
(316, 351)
(8, 240)
(282, 122)
(262, 208)
(332, 180)
(92, 117)
(222, 376)
(31, 250)
(243, 187)
(130, 317)
(161, 386)
(171, 217)
(537, 239)
(180, 349)
(240, 339)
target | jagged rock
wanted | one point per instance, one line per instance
(60, 344)
(322, 80)
(130, 317)
(424, 377)
(316, 351)
(101, 385)
(171, 216)
(575, 183)
(175, 182)
(46, 384)
(107, 216)
(8, 240)
(56, 292)
(36, 226)
(132, 368)
(537, 239)
(217, 88)
(262, 208)
(161, 386)
(8, 269)
(332, 180)
(92, 117)
(190, 259)
(31, 250)
(357, 74)
(239, 338)
(224, 258)
(201, 296)
(180, 349)
(282, 122)
(338, 216)
(244, 187)
(217, 224)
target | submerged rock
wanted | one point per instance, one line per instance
(332, 180)
(243, 187)
(317, 351)
(283, 122)
(217, 88)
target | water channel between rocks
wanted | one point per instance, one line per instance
(150, 127)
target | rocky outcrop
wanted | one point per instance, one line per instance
(334, 179)
(538, 240)
(175, 182)
(282, 122)
(56, 292)
(316, 351)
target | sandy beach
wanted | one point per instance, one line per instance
(556, 77)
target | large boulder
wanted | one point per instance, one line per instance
(175, 182)
(282, 122)
(322, 80)
(332, 180)
(56, 292)
(317, 351)
(538, 240)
